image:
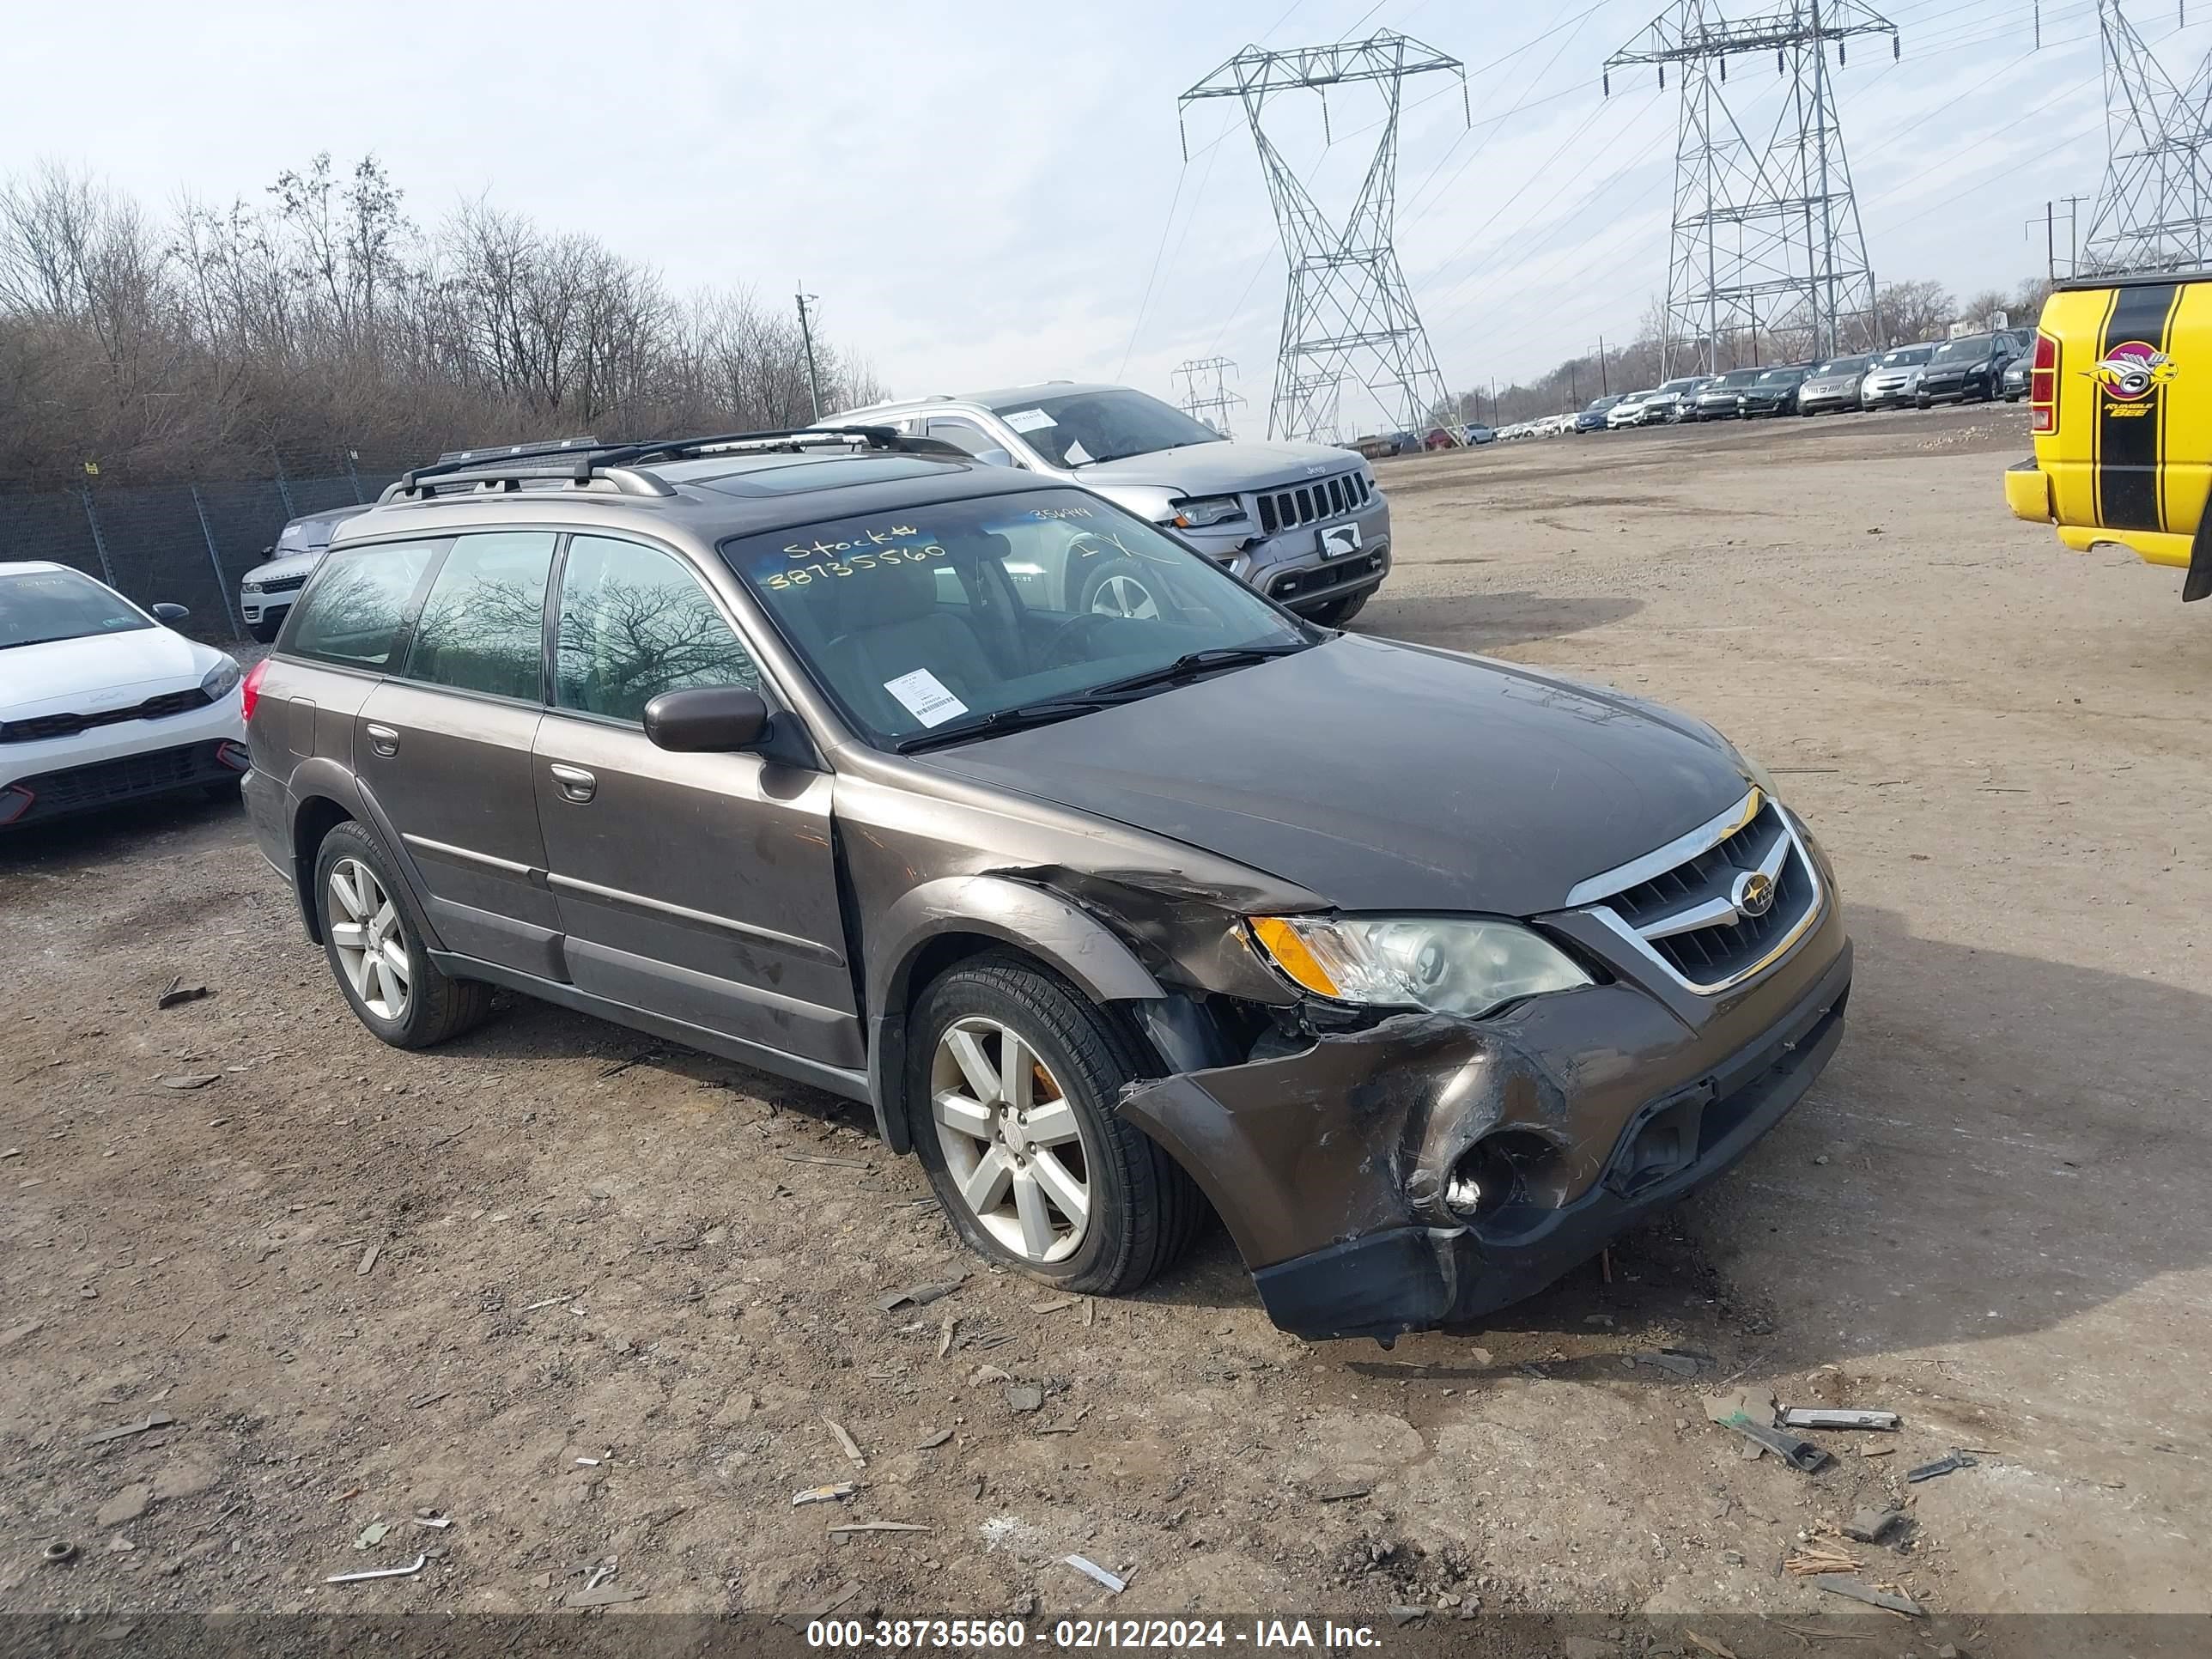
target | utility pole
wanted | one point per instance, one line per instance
(1198, 402)
(1348, 310)
(1759, 216)
(1603, 390)
(806, 335)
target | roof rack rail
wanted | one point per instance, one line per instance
(516, 452)
(617, 464)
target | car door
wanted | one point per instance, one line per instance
(701, 888)
(444, 749)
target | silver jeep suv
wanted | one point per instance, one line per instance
(1305, 523)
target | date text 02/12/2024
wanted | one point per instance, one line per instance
(1085, 1634)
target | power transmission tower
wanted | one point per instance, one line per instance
(1766, 234)
(1204, 402)
(1348, 313)
(2150, 214)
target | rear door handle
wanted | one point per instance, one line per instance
(575, 782)
(384, 740)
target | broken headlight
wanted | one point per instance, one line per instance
(1447, 964)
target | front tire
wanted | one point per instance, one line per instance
(1337, 612)
(267, 629)
(373, 942)
(1011, 1079)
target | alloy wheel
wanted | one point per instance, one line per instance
(1124, 596)
(365, 933)
(1011, 1139)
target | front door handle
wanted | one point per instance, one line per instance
(384, 740)
(575, 782)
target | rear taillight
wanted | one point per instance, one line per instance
(249, 694)
(2043, 385)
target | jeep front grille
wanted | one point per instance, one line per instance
(1717, 905)
(1303, 504)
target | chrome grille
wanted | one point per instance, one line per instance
(1694, 906)
(1304, 504)
(276, 585)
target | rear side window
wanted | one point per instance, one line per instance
(356, 600)
(483, 627)
(635, 622)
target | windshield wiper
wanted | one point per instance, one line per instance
(50, 639)
(1021, 715)
(1195, 663)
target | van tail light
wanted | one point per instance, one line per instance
(2043, 386)
(249, 695)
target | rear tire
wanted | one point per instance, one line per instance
(373, 940)
(1012, 1159)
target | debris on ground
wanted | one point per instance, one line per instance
(57, 1550)
(179, 992)
(368, 1261)
(125, 1506)
(1941, 1466)
(881, 1526)
(1023, 1398)
(1090, 1569)
(1054, 1303)
(606, 1596)
(1718, 1649)
(191, 1080)
(436, 1523)
(1810, 1417)
(1750, 1413)
(983, 1374)
(407, 1571)
(1837, 1584)
(836, 1494)
(944, 1335)
(934, 1441)
(845, 1444)
(151, 1420)
(919, 1295)
(1819, 1558)
(372, 1534)
(1402, 1615)
(1869, 1525)
(1341, 1492)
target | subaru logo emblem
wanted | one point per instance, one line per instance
(1754, 894)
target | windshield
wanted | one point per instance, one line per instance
(1782, 377)
(1841, 366)
(1085, 427)
(1905, 357)
(37, 606)
(938, 617)
(1737, 377)
(1599, 405)
(1972, 350)
(1688, 382)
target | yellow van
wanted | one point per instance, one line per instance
(2120, 404)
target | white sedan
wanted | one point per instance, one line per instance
(101, 702)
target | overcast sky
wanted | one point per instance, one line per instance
(984, 194)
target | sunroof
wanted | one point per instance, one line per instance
(800, 476)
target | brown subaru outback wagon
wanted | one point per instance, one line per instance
(1427, 974)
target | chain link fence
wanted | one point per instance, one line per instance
(179, 544)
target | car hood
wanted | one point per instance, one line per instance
(289, 564)
(99, 672)
(1833, 383)
(1383, 776)
(1221, 468)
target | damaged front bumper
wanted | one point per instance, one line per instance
(1428, 1170)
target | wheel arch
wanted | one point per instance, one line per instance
(312, 820)
(940, 924)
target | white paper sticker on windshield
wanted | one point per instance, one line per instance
(1028, 419)
(926, 698)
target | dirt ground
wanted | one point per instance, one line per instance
(593, 1298)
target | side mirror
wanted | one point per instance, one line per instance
(172, 614)
(994, 457)
(711, 719)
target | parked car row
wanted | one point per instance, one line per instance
(1974, 367)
